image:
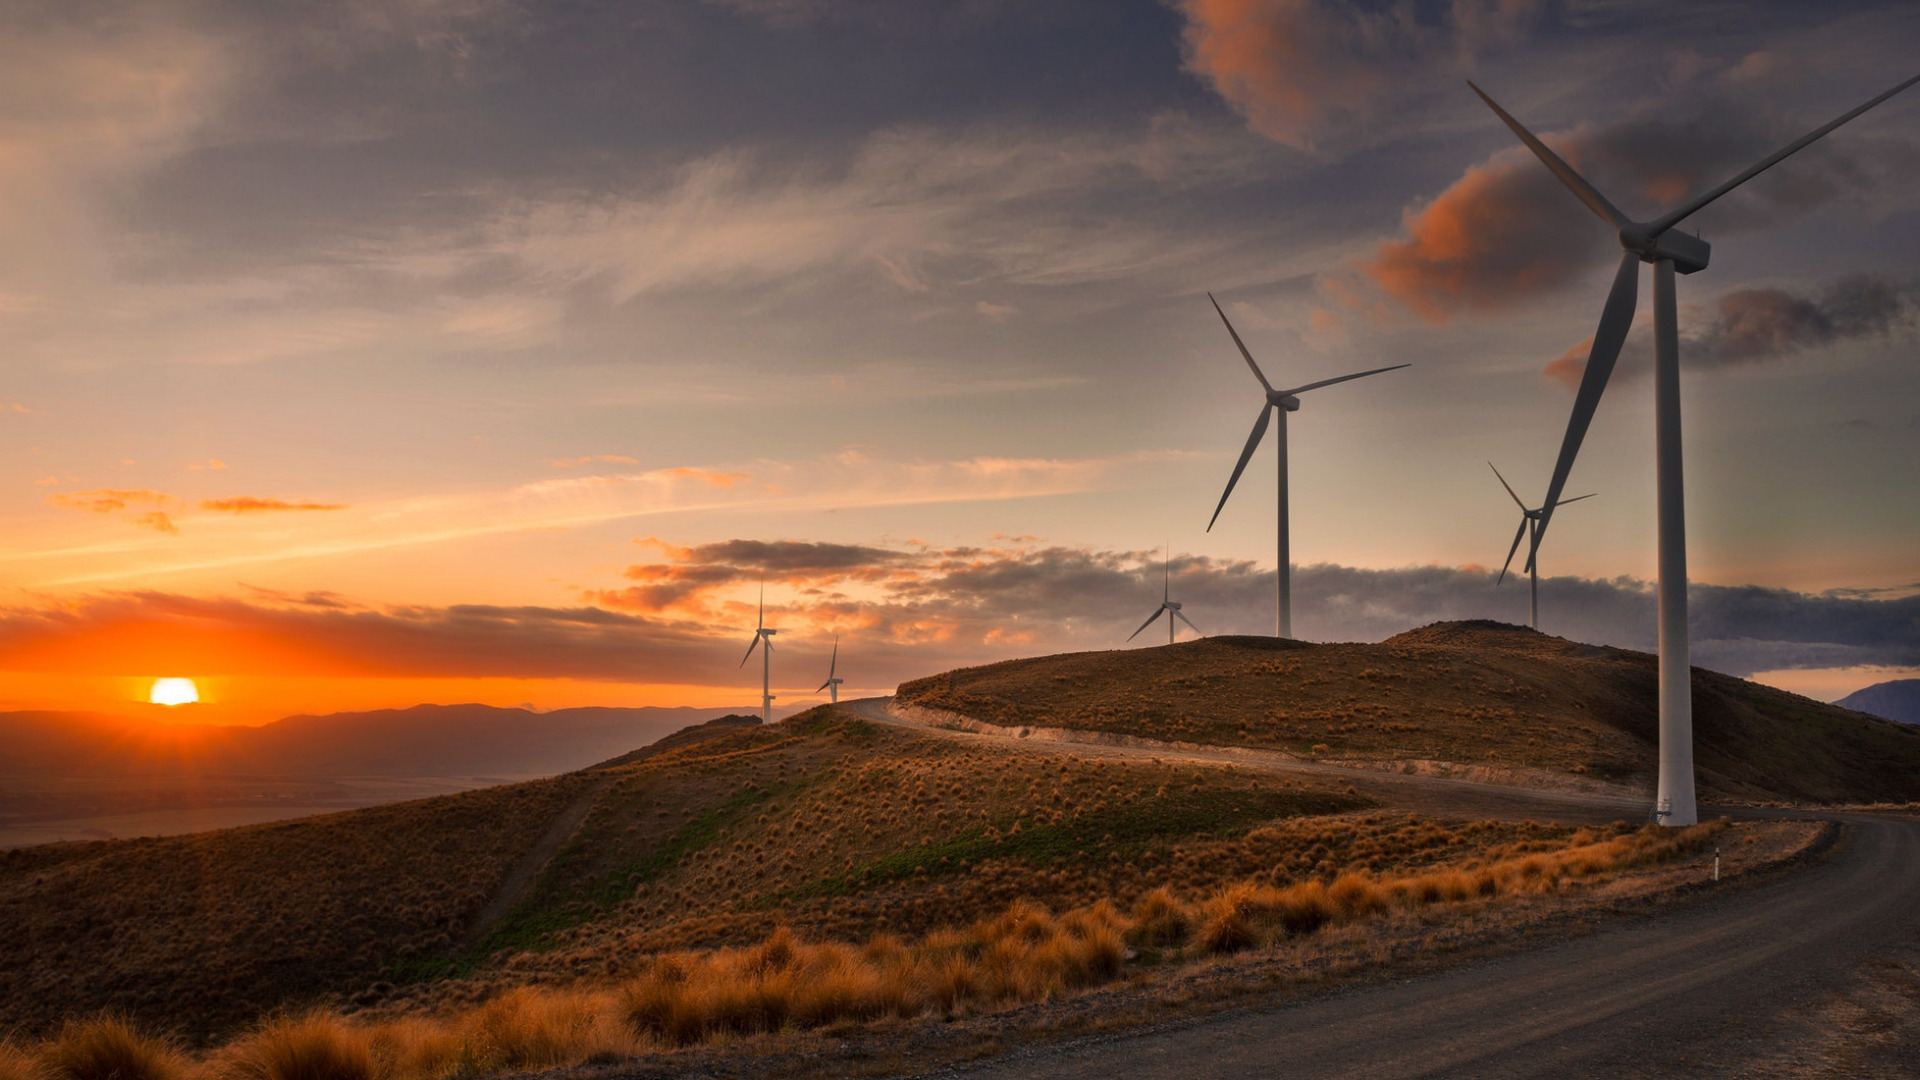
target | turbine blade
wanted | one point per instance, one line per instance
(826, 684)
(1675, 216)
(1342, 378)
(1253, 442)
(1615, 319)
(755, 643)
(1518, 536)
(1510, 494)
(1242, 345)
(1585, 192)
(1144, 625)
(763, 607)
(835, 662)
(1189, 623)
(1576, 498)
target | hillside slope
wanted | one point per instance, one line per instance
(830, 827)
(1467, 692)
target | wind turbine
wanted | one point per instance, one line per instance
(1167, 606)
(1527, 518)
(760, 634)
(1281, 402)
(1653, 242)
(832, 685)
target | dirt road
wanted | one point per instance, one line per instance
(1699, 989)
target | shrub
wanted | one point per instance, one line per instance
(110, 1048)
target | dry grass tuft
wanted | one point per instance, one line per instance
(18, 1063)
(313, 1046)
(110, 1048)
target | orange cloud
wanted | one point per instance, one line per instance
(158, 521)
(1297, 68)
(1503, 232)
(249, 504)
(706, 476)
(108, 500)
(1567, 368)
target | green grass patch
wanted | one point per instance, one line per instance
(1124, 829)
(555, 906)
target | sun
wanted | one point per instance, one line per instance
(174, 692)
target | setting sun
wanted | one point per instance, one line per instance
(174, 692)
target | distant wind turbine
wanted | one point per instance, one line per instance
(832, 685)
(1279, 402)
(1528, 518)
(1653, 242)
(762, 634)
(1167, 607)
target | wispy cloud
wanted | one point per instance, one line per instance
(841, 481)
(252, 504)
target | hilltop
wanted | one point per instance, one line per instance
(1897, 699)
(1476, 692)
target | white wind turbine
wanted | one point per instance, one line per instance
(1653, 242)
(832, 685)
(762, 634)
(1280, 402)
(1167, 607)
(1527, 518)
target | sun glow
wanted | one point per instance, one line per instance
(174, 692)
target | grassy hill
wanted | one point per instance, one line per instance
(1466, 692)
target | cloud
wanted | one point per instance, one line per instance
(902, 614)
(1300, 69)
(158, 521)
(1751, 325)
(108, 500)
(250, 504)
(610, 459)
(965, 605)
(1507, 231)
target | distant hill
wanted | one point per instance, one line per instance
(425, 740)
(1895, 700)
(1476, 692)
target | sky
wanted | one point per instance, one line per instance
(389, 351)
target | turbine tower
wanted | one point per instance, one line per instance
(762, 634)
(1653, 242)
(1527, 518)
(832, 685)
(1167, 607)
(1281, 402)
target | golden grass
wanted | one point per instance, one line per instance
(314, 1046)
(19, 1063)
(110, 1048)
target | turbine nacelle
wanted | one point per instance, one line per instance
(1281, 399)
(1689, 254)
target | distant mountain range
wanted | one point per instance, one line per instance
(1895, 700)
(425, 740)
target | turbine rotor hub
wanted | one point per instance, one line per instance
(1689, 254)
(1281, 400)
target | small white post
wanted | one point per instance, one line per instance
(1716, 864)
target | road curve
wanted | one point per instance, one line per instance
(1689, 991)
